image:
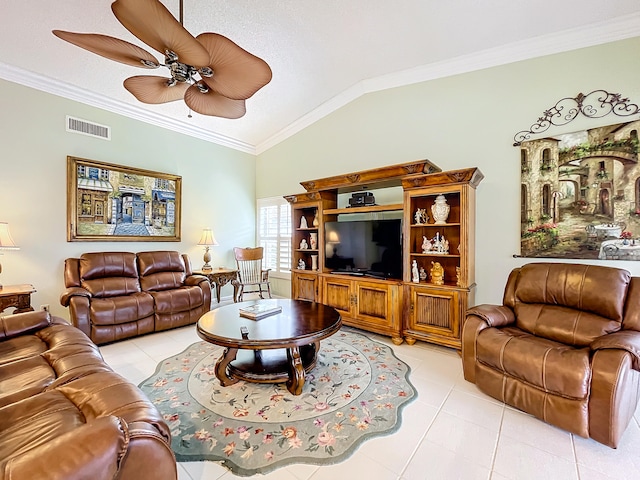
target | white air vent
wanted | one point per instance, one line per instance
(84, 127)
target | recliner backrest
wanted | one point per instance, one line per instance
(109, 274)
(161, 270)
(568, 303)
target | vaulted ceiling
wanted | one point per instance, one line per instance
(323, 54)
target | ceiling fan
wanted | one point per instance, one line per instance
(211, 73)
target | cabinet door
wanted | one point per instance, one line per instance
(337, 293)
(434, 313)
(305, 287)
(374, 303)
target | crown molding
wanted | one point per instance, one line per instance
(71, 92)
(619, 28)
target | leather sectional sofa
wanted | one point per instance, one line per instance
(65, 415)
(564, 346)
(116, 295)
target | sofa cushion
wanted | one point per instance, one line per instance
(550, 366)
(52, 356)
(119, 310)
(161, 270)
(569, 303)
(109, 274)
(177, 300)
(36, 420)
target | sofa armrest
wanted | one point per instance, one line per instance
(22, 323)
(628, 340)
(193, 280)
(94, 450)
(70, 292)
(493, 315)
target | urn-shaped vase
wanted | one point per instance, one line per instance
(313, 240)
(440, 210)
(314, 262)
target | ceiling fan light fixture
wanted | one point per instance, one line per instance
(238, 73)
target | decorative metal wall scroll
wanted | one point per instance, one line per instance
(592, 105)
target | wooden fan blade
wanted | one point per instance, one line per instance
(214, 104)
(110, 47)
(237, 74)
(151, 89)
(152, 23)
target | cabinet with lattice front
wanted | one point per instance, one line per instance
(439, 252)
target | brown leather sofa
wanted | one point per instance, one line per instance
(564, 347)
(116, 295)
(65, 415)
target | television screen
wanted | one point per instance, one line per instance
(373, 247)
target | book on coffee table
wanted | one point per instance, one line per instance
(259, 310)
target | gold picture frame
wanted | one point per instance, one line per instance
(113, 203)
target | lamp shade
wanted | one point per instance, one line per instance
(333, 237)
(207, 237)
(6, 241)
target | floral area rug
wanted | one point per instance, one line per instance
(356, 391)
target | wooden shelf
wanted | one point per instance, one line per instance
(435, 255)
(305, 250)
(435, 225)
(308, 229)
(367, 209)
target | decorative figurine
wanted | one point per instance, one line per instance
(458, 280)
(303, 244)
(420, 216)
(303, 222)
(423, 274)
(426, 244)
(316, 222)
(313, 240)
(415, 276)
(440, 210)
(301, 264)
(437, 274)
(439, 244)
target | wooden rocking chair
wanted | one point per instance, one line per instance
(250, 272)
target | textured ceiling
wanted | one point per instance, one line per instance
(322, 53)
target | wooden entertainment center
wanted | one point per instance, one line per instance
(399, 308)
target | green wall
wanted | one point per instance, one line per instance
(218, 186)
(461, 121)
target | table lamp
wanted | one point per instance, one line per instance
(6, 242)
(207, 239)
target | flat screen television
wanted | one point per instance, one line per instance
(371, 247)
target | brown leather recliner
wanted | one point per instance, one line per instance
(564, 347)
(116, 295)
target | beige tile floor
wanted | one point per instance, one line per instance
(450, 431)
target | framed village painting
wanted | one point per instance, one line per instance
(107, 202)
(580, 194)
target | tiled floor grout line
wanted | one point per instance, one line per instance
(426, 431)
(495, 448)
(575, 455)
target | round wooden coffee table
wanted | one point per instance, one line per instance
(278, 348)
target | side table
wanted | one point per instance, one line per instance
(220, 277)
(18, 296)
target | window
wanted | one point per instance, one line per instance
(274, 235)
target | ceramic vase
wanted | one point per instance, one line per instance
(314, 262)
(440, 210)
(316, 222)
(313, 240)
